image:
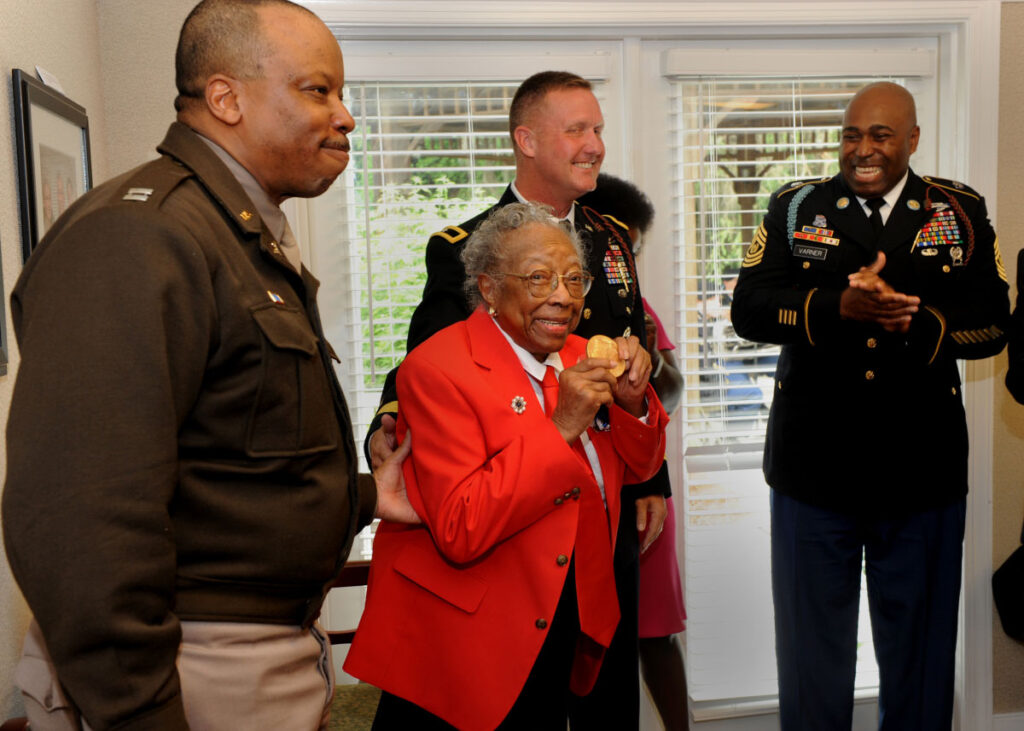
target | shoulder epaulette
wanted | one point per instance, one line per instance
(153, 182)
(953, 185)
(797, 185)
(451, 234)
(616, 221)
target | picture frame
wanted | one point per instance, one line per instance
(3, 328)
(54, 160)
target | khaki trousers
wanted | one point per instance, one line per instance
(233, 676)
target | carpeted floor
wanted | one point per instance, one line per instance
(353, 707)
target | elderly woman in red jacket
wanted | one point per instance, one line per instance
(502, 603)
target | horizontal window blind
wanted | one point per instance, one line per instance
(424, 156)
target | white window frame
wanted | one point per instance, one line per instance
(969, 38)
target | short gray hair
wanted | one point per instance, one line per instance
(485, 252)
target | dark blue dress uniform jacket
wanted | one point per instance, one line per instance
(865, 419)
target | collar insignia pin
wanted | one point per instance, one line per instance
(842, 203)
(913, 205)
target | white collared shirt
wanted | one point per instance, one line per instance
(890, 199)
(570, 216)
(269, 211)
(535, 369)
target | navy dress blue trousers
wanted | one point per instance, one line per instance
(913, 567)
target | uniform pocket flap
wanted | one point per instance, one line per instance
(456, 586)
(285, 328)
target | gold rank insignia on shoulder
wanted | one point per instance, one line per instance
(787, 317)
(1000, 268)
(755, 252)
(138, 194)
(452, 234)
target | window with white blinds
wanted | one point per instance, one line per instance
(737, 139)
(423, 156)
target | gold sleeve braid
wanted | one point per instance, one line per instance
(980, 335)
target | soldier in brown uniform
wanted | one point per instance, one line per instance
(181, 485)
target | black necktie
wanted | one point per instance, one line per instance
(875, 204)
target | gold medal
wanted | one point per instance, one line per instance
(602, 346)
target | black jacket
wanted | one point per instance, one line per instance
(863, 418)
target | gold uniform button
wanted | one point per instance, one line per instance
(872, 343)
(245, 215)
(562, 559)
(807, 265)
(541, 623)
(622, 292)
(869, 375)
(954, 390)
(586, 313)
(629, 310)
(945, 268)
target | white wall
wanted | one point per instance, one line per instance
(136, 42)
(61, 37)
(115, 58)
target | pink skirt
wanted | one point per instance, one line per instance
(661, 592)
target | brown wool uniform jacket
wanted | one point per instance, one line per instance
(178, 445)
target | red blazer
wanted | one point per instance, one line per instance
(452, 609)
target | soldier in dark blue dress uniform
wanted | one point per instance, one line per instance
(874, 282)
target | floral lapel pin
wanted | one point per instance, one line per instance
(518, 404)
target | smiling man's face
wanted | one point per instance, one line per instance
(880, 133)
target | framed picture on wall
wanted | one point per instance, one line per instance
(54, 164)
(3, 328)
